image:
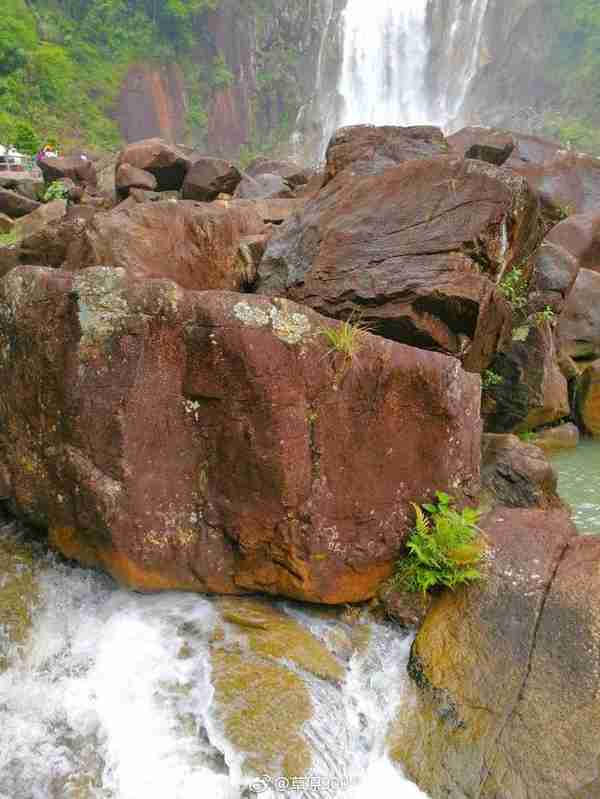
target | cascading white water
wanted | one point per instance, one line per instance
(410, 62)
(460, 56)
(385, 59)
(101, 703)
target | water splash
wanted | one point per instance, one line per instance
(102, 703)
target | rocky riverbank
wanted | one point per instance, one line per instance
(238, 381)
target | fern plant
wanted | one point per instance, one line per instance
(445, 548)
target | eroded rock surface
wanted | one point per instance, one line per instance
(218, 442)
(194, 244)
(415, 251)
(506, 672)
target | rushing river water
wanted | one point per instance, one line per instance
(579, 483)
(98, 702)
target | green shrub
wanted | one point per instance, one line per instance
(56, 191)
(545, 315)
(514, 286)
(490, 378)
(444, 548)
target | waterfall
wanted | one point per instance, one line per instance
(112, 697)
(385, 59)
(410, 62)
(460, 55)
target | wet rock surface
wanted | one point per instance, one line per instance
(517, 474)
(420, 265)
(492, 673)
(211, 441)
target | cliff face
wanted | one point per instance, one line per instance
(513, 87)
(271, 65)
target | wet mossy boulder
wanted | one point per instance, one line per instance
(273, 634)
(262, 707)
(505, 673)
(18, 595)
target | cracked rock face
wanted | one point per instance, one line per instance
(416, 250)
(507, 673)
(215, 441)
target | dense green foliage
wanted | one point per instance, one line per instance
(444, 548)
(575, 66)
(62, 61)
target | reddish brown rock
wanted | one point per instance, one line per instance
(370, 150)
(416, 251)
(272, 212)
(129, 177)
(484, 144)
(166, 162)
(80, 170)
(520, 148)
(293, 174)
(263, 187)
(214, 441)
(209, 177)
(500, 664)
(194, 244)
(552, 278)
(38, 219)
(579, 325)
(587, 399)
(564, 436)
(517, 474)
(579, 235)
(533, 390)
(16, 205)
(566, 181)
(249, 256)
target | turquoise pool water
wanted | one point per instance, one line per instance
(579, 483)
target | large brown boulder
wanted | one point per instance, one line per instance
(293, 174)
(271, 211)
(533, 390)
(209, 177)
(16, 205)
(42, 216)
(587, 400)
(194, 244)
(416, 251)
(579, 235)
(476, 141)
(219, 442)
(553, 275)
(516, 474)
(370, 150)
(80, 170)
(579, 325)
(566, 181)
(129, 177)
(263, 187)
(166, 162)
(506, 672)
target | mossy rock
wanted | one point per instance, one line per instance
(273, 634)
(263, 707)
(18, 594)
